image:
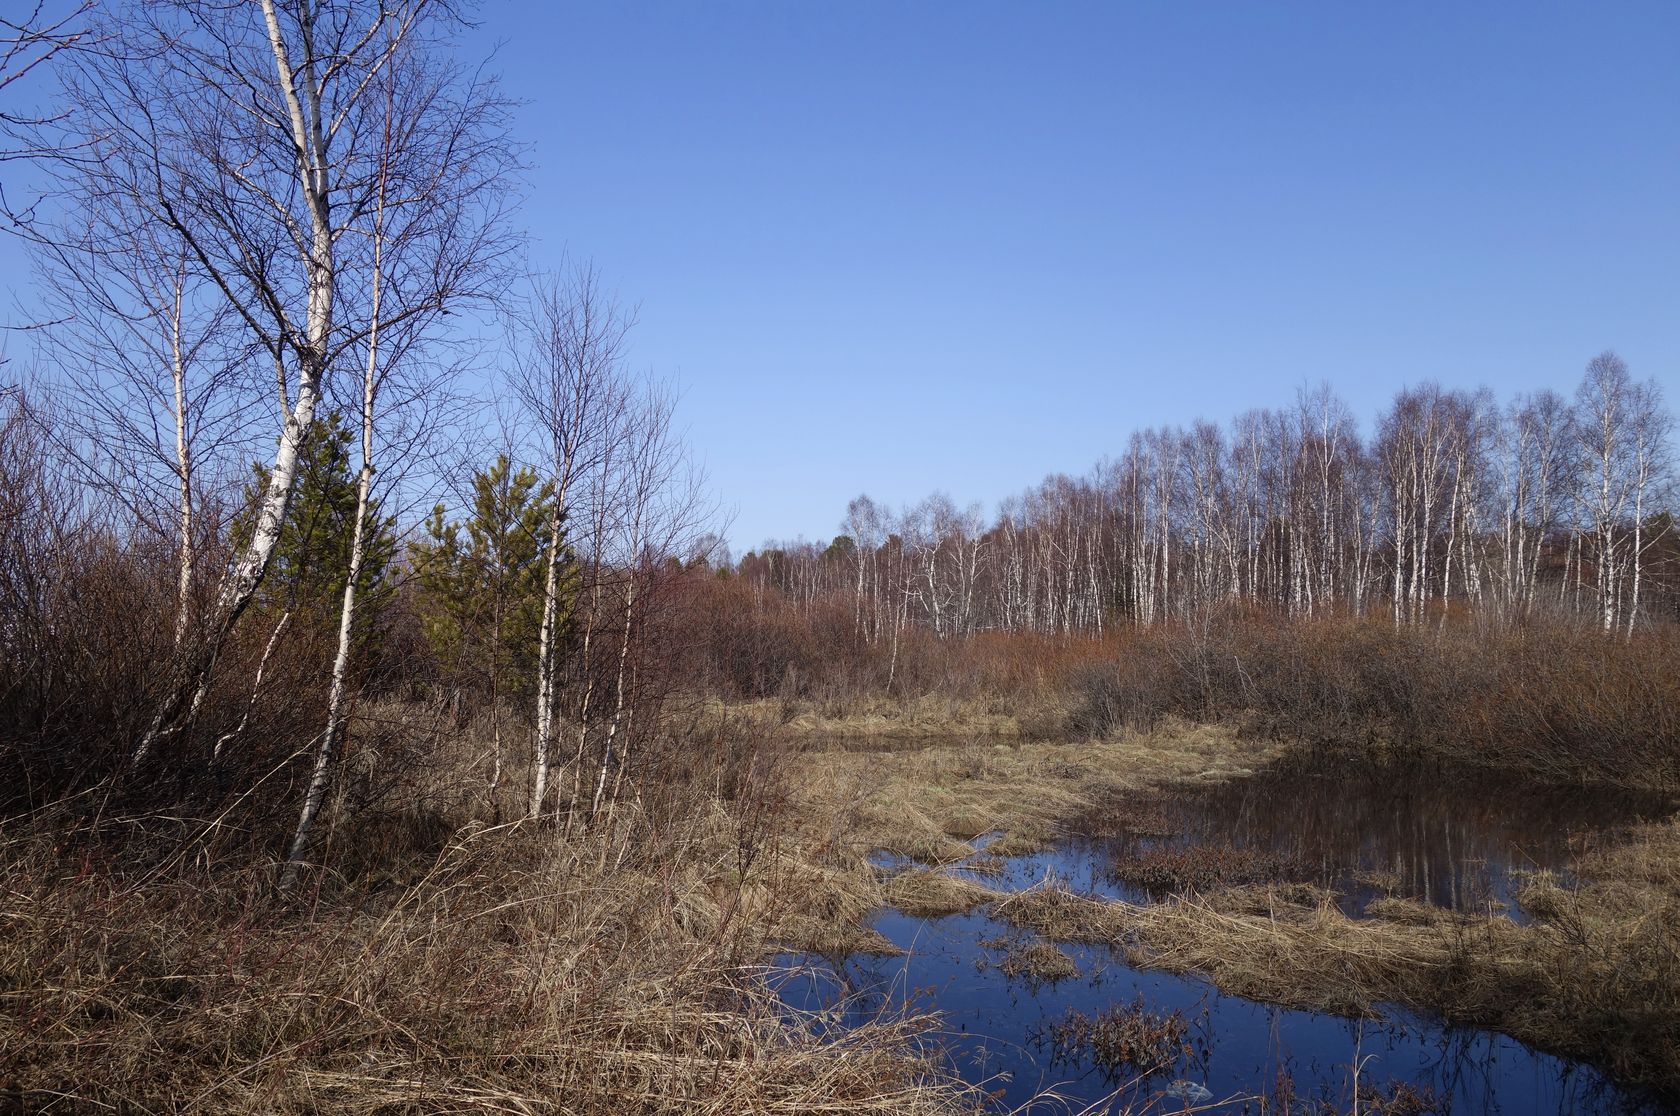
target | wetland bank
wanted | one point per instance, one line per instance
(1471, 940)
(1026, 916)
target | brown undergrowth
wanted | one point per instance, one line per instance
(1123, 1040)
(455, 965)
(1550, 696)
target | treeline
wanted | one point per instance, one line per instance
(1539, 506)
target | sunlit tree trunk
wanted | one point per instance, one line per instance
(320, 777)
(301, 92)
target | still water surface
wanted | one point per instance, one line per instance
(1453, 836)
(1444, 835)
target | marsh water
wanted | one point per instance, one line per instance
(1444, 835)
(1454, 836)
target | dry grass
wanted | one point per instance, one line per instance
(928, 803)
(1037, 961)
(877, 718)
(517, 972)
(986, 864)
(1065, 917)
(463, 966)
(921, 893)
(460, 965)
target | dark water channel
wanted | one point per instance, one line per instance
(1442, 835)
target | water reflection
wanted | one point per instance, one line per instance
(1457, 837)
(998, 1028)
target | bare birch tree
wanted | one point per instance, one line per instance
(1603, 407)
(662, 511)
(568, 373)
(153, 373)
(253, 135)
(1650, 452)
(406, 256)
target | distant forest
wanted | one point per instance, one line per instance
(1540, 506)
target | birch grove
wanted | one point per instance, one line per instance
(1452, 502)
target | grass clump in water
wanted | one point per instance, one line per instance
(1062, 916)
(1123, 1040)
(1037, 961)
(922, 893)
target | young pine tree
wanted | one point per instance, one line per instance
(481, 585)
(312, 556)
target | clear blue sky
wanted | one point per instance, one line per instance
(893, 247)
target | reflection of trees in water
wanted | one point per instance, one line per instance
(1449, 835)
(1458, 1069)
(1465, 1065)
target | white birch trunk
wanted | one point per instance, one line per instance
(190, 678)
(320, 778)
(547, 668)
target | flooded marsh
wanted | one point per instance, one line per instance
(1300, 939)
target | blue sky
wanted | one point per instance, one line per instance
(899, 247)
(893, 247)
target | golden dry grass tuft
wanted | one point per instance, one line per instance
(923, 893)
(1062, 916)
(1037, 961)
